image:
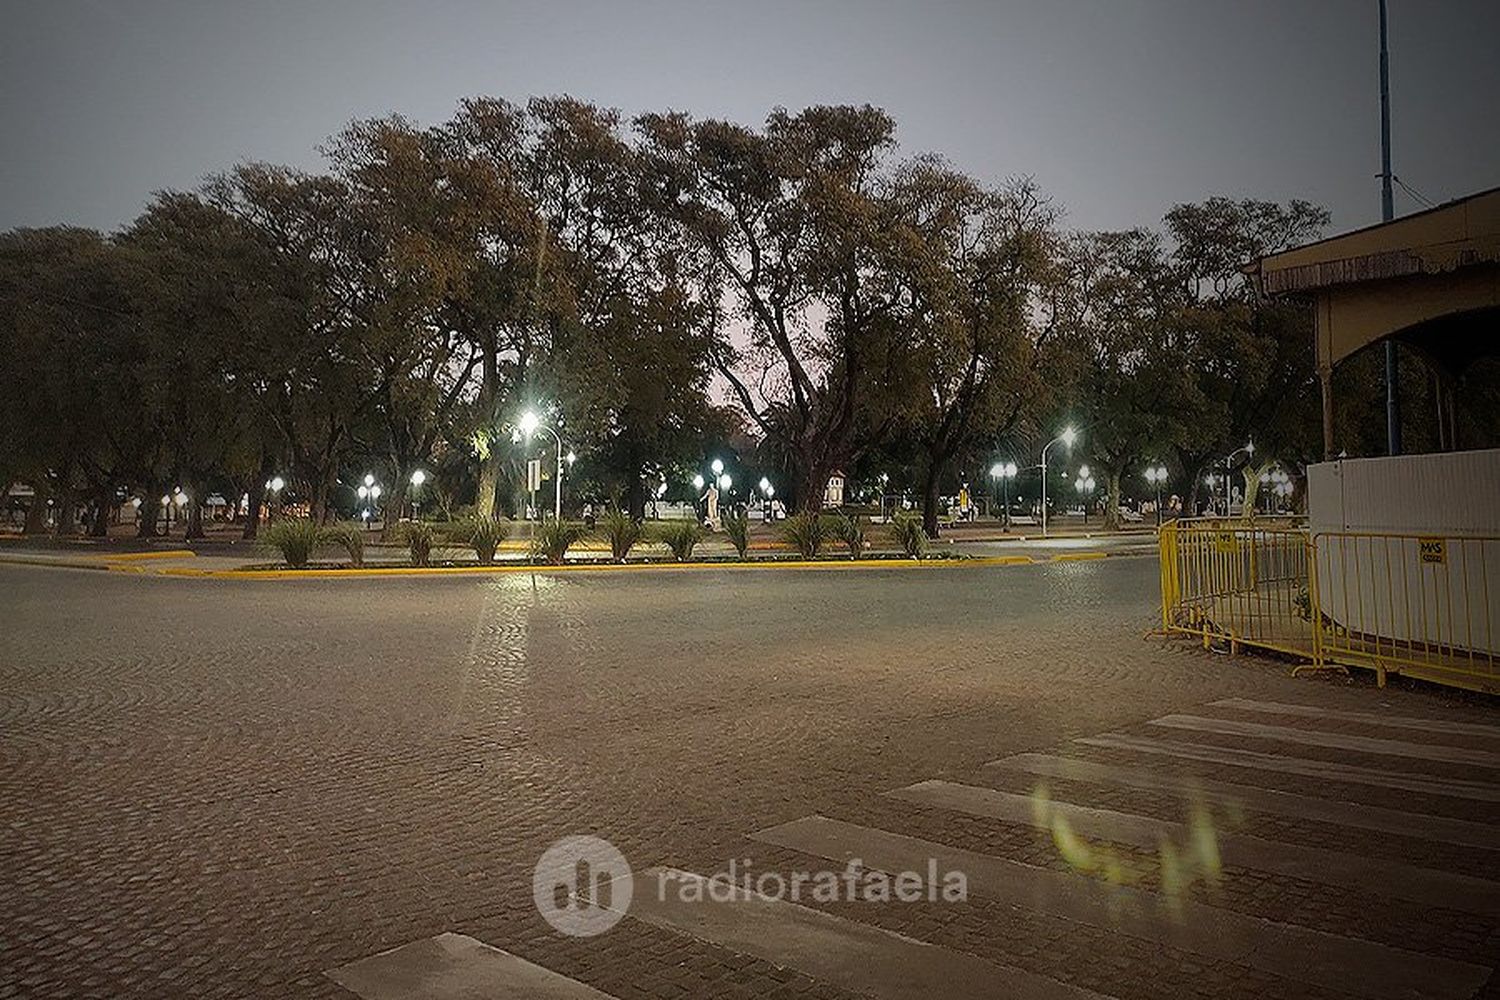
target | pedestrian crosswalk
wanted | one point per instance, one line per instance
(1352, 775)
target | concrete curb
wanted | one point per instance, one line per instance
(762, 565)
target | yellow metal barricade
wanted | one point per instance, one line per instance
(1241, 582)
(1419, 605)
(1395, 603)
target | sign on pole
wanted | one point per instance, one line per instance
(533, 475)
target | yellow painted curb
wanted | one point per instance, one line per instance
(408, 571)
(137, 556)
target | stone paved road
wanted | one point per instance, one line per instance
(223, 789)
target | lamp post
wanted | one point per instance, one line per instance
(417, 479)
(1084, 484)
(274, 485)
(1249, 450)
(767, 491)
(530, 424)
(1156, 475)
(1005, 472)
(1067, 437)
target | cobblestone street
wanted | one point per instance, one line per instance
(228, 789)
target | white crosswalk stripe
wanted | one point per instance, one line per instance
(1440, 828)
(1298, 953)
(1316, 864)
(1372, 718)
(1336, 741)
(852, 955)
(1324, 770)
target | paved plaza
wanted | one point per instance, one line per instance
(222, 788)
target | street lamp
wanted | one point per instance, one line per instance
(1005, 472)
(724, 483)
(1249, 450)
(530, 423)
(698, 483)
(1156, 475)
(1084, 484)
(1067, 437)
(717, 465)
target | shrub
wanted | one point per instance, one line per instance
(553, 538)
(622, 530)
(907, 533)
(351, 538)
(295, 538)
(482, 534)
(851, 531)
(681, 537)
(807, 532)
(737, 527)
(419, 537)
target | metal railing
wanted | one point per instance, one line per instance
(1390, 602)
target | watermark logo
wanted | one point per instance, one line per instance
(582, 886)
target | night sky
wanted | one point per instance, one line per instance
(1119, 108)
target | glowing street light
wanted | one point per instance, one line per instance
(369, 479)
(530, 423)
(698, 482)
(276, 484)
(1005, 472)
(1084, 484)
(1067, 437)
(717, 465)
(1156, 475)
(724, 483)
(418, 478)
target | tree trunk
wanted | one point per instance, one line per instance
(635, 496)
(811, 486)
(257, 495)
(147, 513)
(67, 521)
(1112, 509)
(36, 514)
(195, 517)
(930, 497)
(392, 509)
(100, 526)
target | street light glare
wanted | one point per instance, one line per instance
(725, 482)
(369, 479)
(1069, 435)
(717, 465)
(571, 458)
(530, 422)
(765, 484)
(1010, 470)
(277, 483)
(418, 478)
(997, 470)
(1083, 472)
(697, 482)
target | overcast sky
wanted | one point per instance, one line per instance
(1119, 108)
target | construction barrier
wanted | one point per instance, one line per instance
(1392, 603)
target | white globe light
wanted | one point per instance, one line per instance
(717, 465)
(364, 491)
(418, 478)
(1010, 470)
(1069, 435)
(375, 492)
(369, 479)
(529, 423)
(1083, 473)
(277, 483)
(724, 482)
(571, 458)
(697, 482)
(997, 470)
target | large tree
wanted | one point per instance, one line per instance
(799, 221)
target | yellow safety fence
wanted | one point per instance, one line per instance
(1418, 605)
